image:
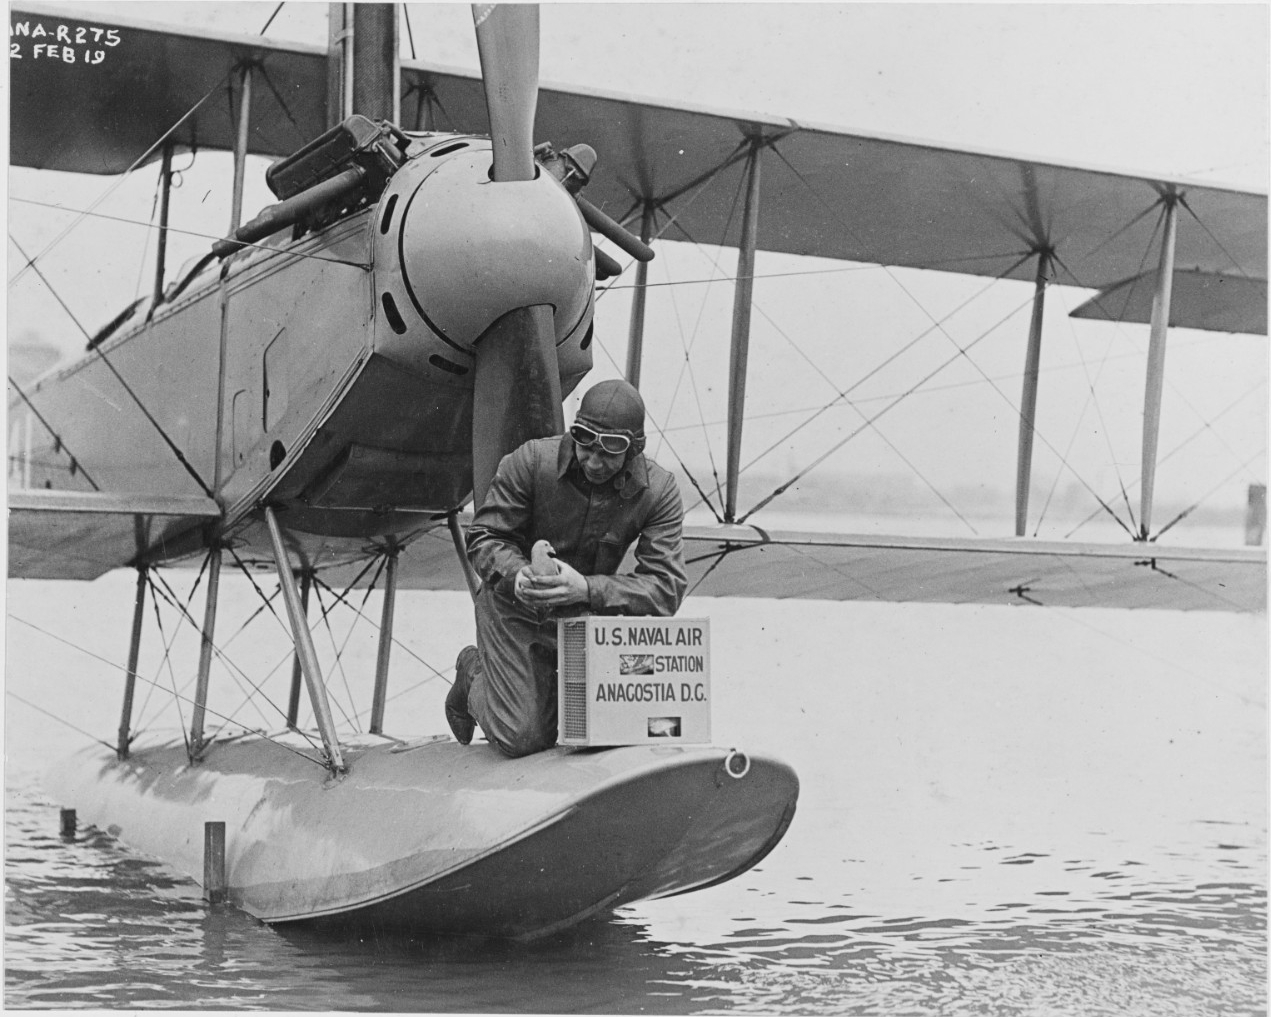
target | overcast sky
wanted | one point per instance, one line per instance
(1166, 90)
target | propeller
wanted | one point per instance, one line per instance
(507, 43)
(516, 378)
(516, 390)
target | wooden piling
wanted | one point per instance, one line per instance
(214, 862)
(67, 823)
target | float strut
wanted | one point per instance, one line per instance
(304, 648)
(293, 700)
(1028, 398)
(205, 651)
(742, 294)
(461, 549)
(635, 332)
(386, 643)
(1156, 364)
(130, 680)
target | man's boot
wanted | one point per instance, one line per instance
(457, 715)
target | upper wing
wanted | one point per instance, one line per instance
(103, 117)
(825, 191)
(885, 200)
(743, 561)
(83, 534)
(1214, 301)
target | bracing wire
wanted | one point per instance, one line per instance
(703, 497)
(281, 99)
(1179, 393)
(189, 468)
(57, 438)
(167, 661)
(1091, 399)
(1192, 508)
(687, 347)
(1182, 200)
(340, 599)
(777, 492)
(339, 663)
(168, 643)
(698, 187)
(277, 11)
(733, 278)
(255, 614)
(266, 601)
(236, 672)
(928, 390)
(262, 246)
(961, 351)
(30, 262)
(843, 394)
(143, 157)
(154, 208)
(877, 430)
(1183, 444)
(120, 667)
(1138, 275)
(60, 720)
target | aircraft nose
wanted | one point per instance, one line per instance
(472, 250)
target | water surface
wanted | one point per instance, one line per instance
(1003, 811)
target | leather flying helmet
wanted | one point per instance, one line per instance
(615, 407)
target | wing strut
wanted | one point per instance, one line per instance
(635, 333)
(380, 693)
(205, 653)
(297, 676)
(161, 254)
(1156, 363)
(240, 145)
(742, 294)
(1028, 399)
(130, 680)
(304, 648)
(457, 535)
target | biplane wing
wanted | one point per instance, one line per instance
(745, 561)
(888, 200)
(1213, 300)
(84, 534)
(77, 118)
(827, 192)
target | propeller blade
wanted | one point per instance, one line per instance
(507, 42)
(516, 390)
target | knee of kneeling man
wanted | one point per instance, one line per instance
(525, 741)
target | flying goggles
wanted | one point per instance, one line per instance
(585, 437)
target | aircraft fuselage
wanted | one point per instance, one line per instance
(331, 375)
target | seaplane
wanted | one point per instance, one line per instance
(322, 394)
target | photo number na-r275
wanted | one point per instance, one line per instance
(69, 44)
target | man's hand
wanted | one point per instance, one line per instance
(569, 587)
